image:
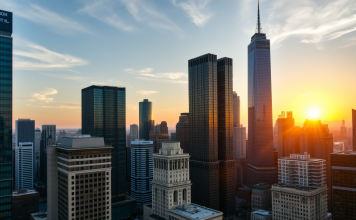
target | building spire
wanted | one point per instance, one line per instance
(258, 28)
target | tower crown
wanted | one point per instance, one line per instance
(258, 25)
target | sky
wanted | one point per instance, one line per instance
(61, 47)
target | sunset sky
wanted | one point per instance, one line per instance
(63, 46)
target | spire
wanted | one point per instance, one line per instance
(258, 28)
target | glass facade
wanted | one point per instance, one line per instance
(104, 115)
(5, 120)
(145, 119)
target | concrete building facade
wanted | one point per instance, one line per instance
(261, 197)
(24, 166)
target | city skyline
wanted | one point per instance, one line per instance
(63, 65)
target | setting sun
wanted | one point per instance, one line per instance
(314, 113)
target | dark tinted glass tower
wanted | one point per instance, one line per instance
(5, 113)
(182, 132)
(145, 119)
(48, 138)
(225, 136)
(203, 131)
(104, 115)
(260, 157)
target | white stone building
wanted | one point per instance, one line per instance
(171, 188)
(24, 166)
(299, 202)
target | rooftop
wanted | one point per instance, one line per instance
(346, 153)
(23, 192)
(82, 141)
(261, 186)
(39, 216)
(297, 187)
(141, 142)
(195, 211)
(262, 212)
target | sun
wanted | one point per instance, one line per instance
(314, 113)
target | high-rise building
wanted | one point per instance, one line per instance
(343, 130)
(24, 166)
(79, 179)
(6, 113)
(260, 156)
(171, 188)
(300, 169)
(210, 132)
(343, 172)
(236, 100)
(48, 138)
(163, 128)
(157, 129)
(141, 171)
(145, 119)
(37, 153)
(134, 131)
(182, 131)
(354, 129)
(157, 140)
(284, 128)
(261, 197)
(298, 202)
(25, 202)
(104, 115)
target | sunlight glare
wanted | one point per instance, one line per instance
(314, 113)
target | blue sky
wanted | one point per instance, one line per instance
(63, 46)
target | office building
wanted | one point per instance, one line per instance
(260, 156)
(261, 197)
(236, 109)
(25, 202)
(141, 171)
(300, 169)
(173, 136)
(124, 209)
(239, 142)
(261, 215)
(163, 128)
(171, 188)
(37, 153)
(79, 179)
(343, 173)
(6, 113)
(48, 138)
(339, 147)
(24, 166)
(157, 141)
(134, 131)
(298, 202)
(182, 131)
(343, 130)
(104, 115)
(146, 122)
(284, 128)
(354, 129)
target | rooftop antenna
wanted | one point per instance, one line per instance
(258, 28)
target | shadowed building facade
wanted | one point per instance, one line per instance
(145, 119)
(210, 132)
(104, 115)
(182, 131)
(260, 156)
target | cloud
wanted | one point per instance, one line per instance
(63, 76)
(31, 56)
(57, 106)
(58, 23)
(196, 10)
(98, 83)
(146, 92)
(42, 96)
(133, 108)
(147, 73)
(312, 21)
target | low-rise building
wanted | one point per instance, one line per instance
(261, 197)
(24, 202)
(298, 202)
(261, 215)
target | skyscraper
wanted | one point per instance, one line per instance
(145, 119)
(210, 132)
(236, 99)
(104, 115)
(260, 156)
(24, 165)
(163, 129)
(354, 129)
(48, 138)
(284, 130)
(37, 152)
(6, 113)
(343, 130)
(134, 130)
(182, 131)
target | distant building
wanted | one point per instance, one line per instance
(261, 215)
(134, 131)
(236, 109)
(37, 153)
(48, 138)
(163, 128)
(141, 171)
(171, 188)
(343, 173)
(339, 147)
(79, 179)
(354, 129)
(24, 166)
(182, 132)
(173, 136)
(157, 129)
(300, 169)
(24, 202)
(157, 141)
(343, 130)
(145, 119)
(284, 129)
(129, 139)
(298, 202)
(239, 143)
(261, 197)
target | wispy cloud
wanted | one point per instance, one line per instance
(312, 21)
(58, 23)
(146, 92)
(64, 76)
(147, 73)
(196, 10)
(57, 106)
(31, 56)
(98, 83)
(43, 96)
(132, 107)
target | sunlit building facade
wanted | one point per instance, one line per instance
(354, 129)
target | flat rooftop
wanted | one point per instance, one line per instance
(196, 211)
(262, 212)
(24, 192)
(303, 188)
(39, 216)
(346, 153)
(82, 141)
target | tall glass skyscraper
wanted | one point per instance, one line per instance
(5, 114)
(145, 119)
(104, 115)
(260, 157)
